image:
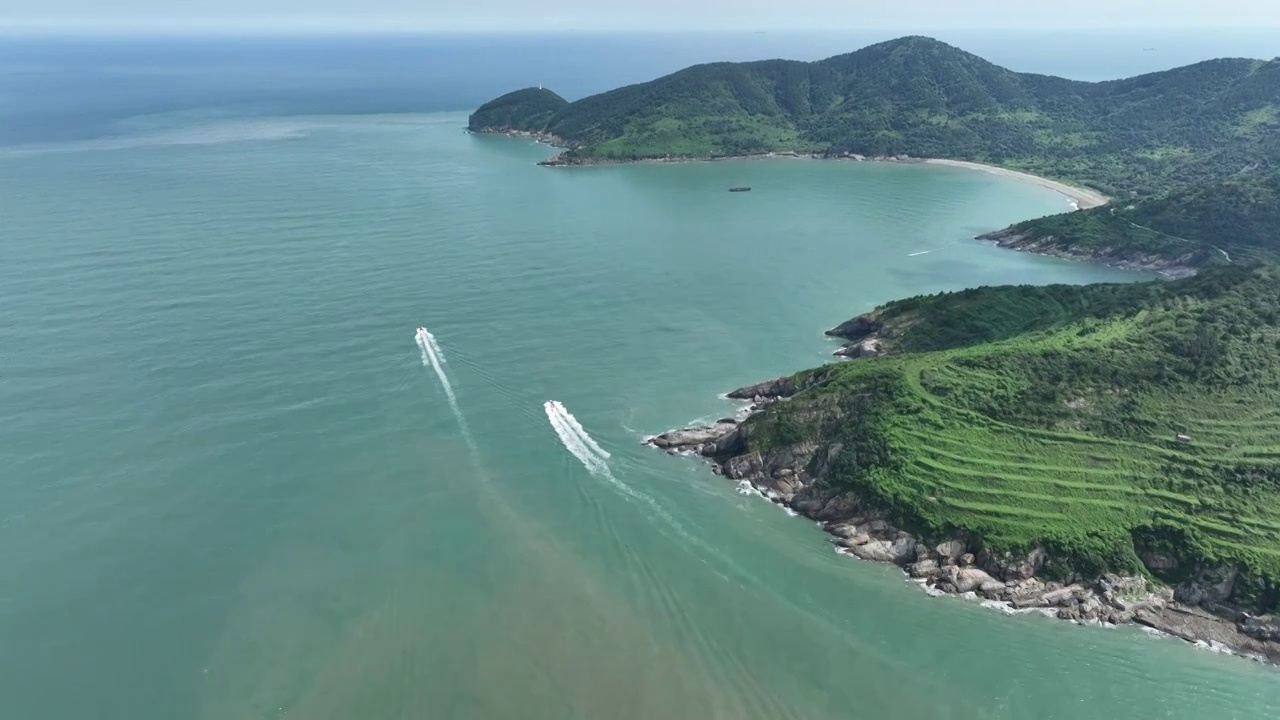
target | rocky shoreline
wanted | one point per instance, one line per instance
(793, 477)
(1012, 239)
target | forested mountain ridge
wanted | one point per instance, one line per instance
(921, 97)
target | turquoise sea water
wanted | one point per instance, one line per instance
(232, 489)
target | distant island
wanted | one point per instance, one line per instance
(1107, 453)
(915, 97)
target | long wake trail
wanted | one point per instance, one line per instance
(572, 441)
(432, 357)
(582, 446)
(926, 252)
(581, 432)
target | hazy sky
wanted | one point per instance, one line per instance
(637, 14)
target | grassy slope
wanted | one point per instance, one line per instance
(927, 99)
(1238, 219)
(1049, 419)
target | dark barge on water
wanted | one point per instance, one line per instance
(740, 188)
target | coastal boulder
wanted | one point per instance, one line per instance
(692, 437)
(835, 508)
(1212, 585)
(1068, 596)
(898, 551)
(924, 568)
(742, 467)
(1260, 628)
(950, 551)
(970, 579)
(731, 443)
(1010, 566)
(993, 590)
(844, 530)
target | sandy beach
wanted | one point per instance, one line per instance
(1083, 197)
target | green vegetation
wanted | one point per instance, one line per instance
(1028, 416)
(1237, 220)
(528, 110)
(924, 98)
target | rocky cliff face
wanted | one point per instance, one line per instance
(797, 476)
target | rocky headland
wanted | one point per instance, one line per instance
(796, 476)
(1117, 256)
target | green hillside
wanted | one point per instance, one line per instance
(1026, 416)
(1237, 220)
(528, 110)
(924, 98)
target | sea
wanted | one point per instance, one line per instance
(237, 482)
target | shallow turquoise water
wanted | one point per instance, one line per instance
(233, 490)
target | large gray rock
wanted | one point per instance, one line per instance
(744, 466)
(1260, 628)
(844, 530)
(970, 579)
(731, 443)
(898, 552)
(1091, 608)
(875, 526)
(853, 541)
(1010, 566)
(1064, 597)
(993, 589)
(950, 551)
(693, 437)
(923, 568)
(1212, 585)
(836, 508)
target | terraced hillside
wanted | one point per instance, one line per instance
(1052, 418)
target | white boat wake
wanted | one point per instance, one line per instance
(575, 438)
(926, 252)
(435, 347)
(433, 358)
(577, 428)
(594, 458)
